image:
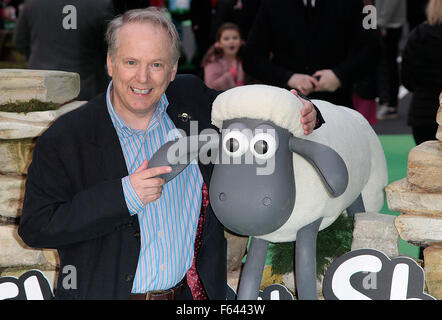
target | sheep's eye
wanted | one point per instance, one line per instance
(232, 145)
(235, 143)
(261, 147)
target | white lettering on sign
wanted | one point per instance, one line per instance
(368, 274)
(31, 285)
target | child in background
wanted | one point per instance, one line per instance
(222, 65)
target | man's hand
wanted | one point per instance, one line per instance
(303, 82)
(328, 81)
(308, 114)
(146, 185)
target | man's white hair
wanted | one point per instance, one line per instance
(153, 15)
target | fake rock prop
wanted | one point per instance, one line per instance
(18, 132)
(418, 197)
(376, 231)
(44, 85)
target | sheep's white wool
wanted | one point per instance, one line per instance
(268, 103)
(345, 130)
(348, 133)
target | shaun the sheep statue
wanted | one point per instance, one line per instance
(274, 183)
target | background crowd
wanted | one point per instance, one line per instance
(321, 48)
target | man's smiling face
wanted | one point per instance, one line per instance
(141, 69)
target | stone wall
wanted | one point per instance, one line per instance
(18, 133)
(418, 197)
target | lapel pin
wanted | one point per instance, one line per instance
(184, 117)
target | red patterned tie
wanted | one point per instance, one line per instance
(193, 280)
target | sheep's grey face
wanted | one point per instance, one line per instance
(252, 190)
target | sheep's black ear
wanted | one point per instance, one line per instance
(180, 152)
(327, 162)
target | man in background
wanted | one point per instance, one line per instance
(66, 35)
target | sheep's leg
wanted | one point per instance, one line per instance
(252, 270)
(356, 207)
(305, 261)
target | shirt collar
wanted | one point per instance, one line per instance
(125, 130)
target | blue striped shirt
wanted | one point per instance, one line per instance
(168, 225)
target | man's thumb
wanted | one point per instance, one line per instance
(142, 167)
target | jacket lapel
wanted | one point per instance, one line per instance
(182, 118)
(105, 138)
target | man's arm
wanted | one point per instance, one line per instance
(311, 117)
(54, 215)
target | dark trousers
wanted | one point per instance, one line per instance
(424, 133)
(186, 295)
(388, 74)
